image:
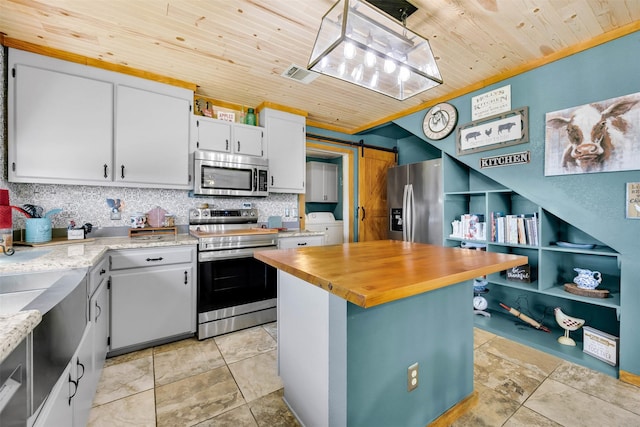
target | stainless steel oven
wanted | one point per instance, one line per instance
(235, 290)
(223, 174)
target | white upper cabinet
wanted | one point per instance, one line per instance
(62, 127)
(247, 140)
(74, 124)
(286, 136)
(151, 143)
(228, 137)
(322, 182)
(212, 134)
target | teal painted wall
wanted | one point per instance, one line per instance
(380, 348)
(592, 202)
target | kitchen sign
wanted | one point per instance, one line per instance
(491, 103)
(506, 160)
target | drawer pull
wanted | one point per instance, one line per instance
(155, 259)
(302, 244)
(102, 271)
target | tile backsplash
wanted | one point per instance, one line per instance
(89, 203)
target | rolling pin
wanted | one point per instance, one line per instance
(525, 318)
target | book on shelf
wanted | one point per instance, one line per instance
(469, 226)
(519, 229)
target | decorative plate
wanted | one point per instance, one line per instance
(575, 245)
(440, 121)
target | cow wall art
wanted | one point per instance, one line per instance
(602, 136)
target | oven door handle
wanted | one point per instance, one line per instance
(229, 254)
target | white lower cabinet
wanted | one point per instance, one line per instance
(152, 295)
(70, 399)
(300, 241)
(99, 312)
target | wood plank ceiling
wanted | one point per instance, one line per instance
(235, 50)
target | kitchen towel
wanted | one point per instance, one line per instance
(5, 217)
(4, 197)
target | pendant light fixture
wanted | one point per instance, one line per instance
(364, 45)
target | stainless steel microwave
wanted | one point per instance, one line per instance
(224, 174)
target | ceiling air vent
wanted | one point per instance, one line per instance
(300, 74)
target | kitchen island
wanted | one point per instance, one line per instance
(352, 318)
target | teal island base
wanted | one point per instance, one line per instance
(344, 365)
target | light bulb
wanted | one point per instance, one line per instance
(357, 73)
(369, 59)
(374, 80)
(342, 68)
(349, 50)
(403, 74)
(389, 66)
(323, 62)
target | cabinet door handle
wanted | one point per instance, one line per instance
(186, 277)
(226, 146)
(238, 146)
(155, 259)
(364, 213)
(81, 375)
(99, 311)
(105, 171)
(75, 388)
(122, 171)
(271, 179)
(102, 271)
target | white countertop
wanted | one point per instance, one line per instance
(15, 327)
(83, 255)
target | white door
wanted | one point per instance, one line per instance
(213, 135)
(150, 304)
(62, 127)
(247, 140)
(152, 138)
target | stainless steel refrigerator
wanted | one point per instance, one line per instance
(414, 202)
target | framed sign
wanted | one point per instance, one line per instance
(500, 130)
(491, 103)
(633, 200)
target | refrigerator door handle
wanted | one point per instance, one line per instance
(405, 212)
(413, 213)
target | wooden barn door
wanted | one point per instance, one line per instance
(372, 193)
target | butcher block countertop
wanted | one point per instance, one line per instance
(373, 273)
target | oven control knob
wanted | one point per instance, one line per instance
(195, 213)
(205, 213)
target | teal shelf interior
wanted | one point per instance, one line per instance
(510, 327)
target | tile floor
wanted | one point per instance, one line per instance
(231, 380)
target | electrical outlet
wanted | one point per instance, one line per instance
(412, 377)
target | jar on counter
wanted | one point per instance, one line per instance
(6, 241)
(169, 220)
(250, 118)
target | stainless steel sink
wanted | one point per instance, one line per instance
(17, 291)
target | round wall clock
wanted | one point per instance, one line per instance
(440, 121)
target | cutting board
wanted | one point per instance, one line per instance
(53, 242)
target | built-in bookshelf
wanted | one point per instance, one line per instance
(515, 225)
